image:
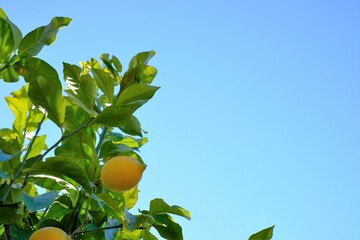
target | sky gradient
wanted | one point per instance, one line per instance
(257, 121)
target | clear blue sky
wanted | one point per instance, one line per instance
(257, 121)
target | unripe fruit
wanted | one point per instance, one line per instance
(49, 233)
(121, 173)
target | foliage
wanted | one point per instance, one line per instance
(59, 185)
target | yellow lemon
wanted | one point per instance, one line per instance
(121, 173)
(49, 233)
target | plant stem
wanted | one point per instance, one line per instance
(101, 139)
(75, 212)
(42, 218)
(8, 233)
(95, 230)
(19, 171)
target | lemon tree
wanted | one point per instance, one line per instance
(84, 185)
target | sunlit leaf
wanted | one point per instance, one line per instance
(58, 210)
(17, 35)
(131, 197)
(149, 236)
(105, 82)
(116, 63)
(79, 147)
(39, 202)
(19, 108)
(265, 234)
(167, 228)
(34, 119)
(110, 149)
(6, 40)
(64, 168)
(147, 74)
(132, 127)
(137, 94)
(45, 88)
(159, 206)
(141, 59)
(9, 74)
(81, 87)
(114, 116)
(112, 205)
(38, 146)
(48, 182)
(35, 40)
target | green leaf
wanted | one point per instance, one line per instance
(105, 82)
(147, 74)
(149, 236)
(113, 65)
(132, 142)
(109, 149)
(5, 157)
(131, 197)
(39, 202)
(116, 63)
(63, 168)
(114, 116)
(9, 215)
(132, 127)
(9, 74)
(3, 175)
(19, 106)
(9, 142)
(48, 182)
(45, 88)
(7, 44)
(133, 222)
(141, 59)
(20, 232)
(17, 35)
(265, 234)
(136, 94)
(34, 41)
(58, 210)
(167, 228)
(34, 119)
(81, 87)
(112, 205)
(38, 146)
(159, 206)
(79, 147)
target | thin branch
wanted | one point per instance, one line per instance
(101, 139)
(42, 218)
(8, 233)
(19, 171)
(95, 230)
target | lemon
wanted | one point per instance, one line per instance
(49, 233)
(121, 173)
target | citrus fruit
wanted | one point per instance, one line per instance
(121, 173)
(49, 233)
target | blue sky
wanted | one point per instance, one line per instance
(257, 119)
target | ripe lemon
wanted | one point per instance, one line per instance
(49, 233)
(121, 173)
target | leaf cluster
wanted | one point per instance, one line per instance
(59, 185)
